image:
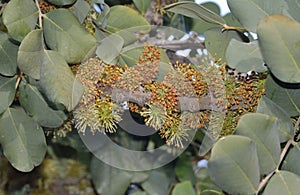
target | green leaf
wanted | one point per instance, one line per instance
(58, 82)
(155, 186)
(217, 41)
(8, 56)
(22, 139)
(234, 165)
(35, 105)
(293, 7)
(184, 188)
(184, 169)
(7, 91)
(61, 2)
(263, 130)
(142, 5)
(285, 126)
(30, 55)
(290, 163)
(81, 9)
(194, 10)
(64, 34)
(109, 180)
(131, 18)
(288, 99)
(283, 182)
(245, 57)
(109, 54)
(280, 46)
(250, 12)
(20, 17)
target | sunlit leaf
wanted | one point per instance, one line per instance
(185, 187)
(20, 17)
(283, 182)
(36, 107)
(217, 41)
(285, 126)
(61, 2)
(108, 179)
(7, 91)
(234, 165)
(250, 12)
(142, 5)
(280, 46)
(64, 34)
(81, 10)
(290, 163)
(58, 82)
(194, 10)
(244, 57)
(288, 99)
(293, 7)
(22, 139)
(8, 55)
(30, 55)
(263, 130)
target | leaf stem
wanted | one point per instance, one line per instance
(226, 27)
(40, 14)
(282, 155)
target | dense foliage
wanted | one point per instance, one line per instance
(75, 67)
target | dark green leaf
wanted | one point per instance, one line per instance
(194, 10)
(184, 169)
(185, 188)
(35, 105)
(293, 7)
(7, 91)
(234, 165)
(280, 46)
(142, 5)
(244, 57)
(58, 82)
(288, 99)
(108, 179)
(64, 34)
(263, 130)
(285, 126)
(217, 41)
(61, 2)
(30, 55)
(290, 163)
(20, 17)
(283, 182)
(131, 18)
(22, 139)
(8, 56)
(250, 12)
(81, 10)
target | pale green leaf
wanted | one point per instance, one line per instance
(64, 34)
(280, 46)
(234, 165)
(58, 82)
(250, 12)
(20, 17)
(288, 99)
(7, 91)
(81, 9)
(290, 163)
(244, 57)
(36, 107)
(22, 139)
(155, 186)
(285, 126)
(30, 55)
(293, 7)
(194, 10)
(61, 2)
(185, 188)
(8, 56)
(283, 182)
(142, 5)
(263, 130)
